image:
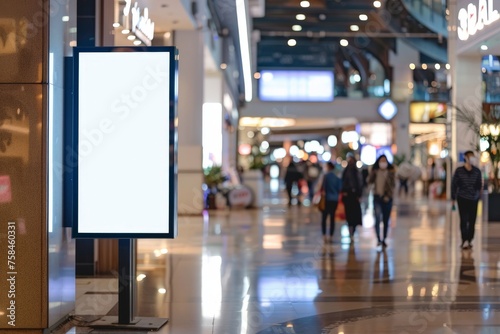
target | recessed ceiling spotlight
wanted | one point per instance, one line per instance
(377, 4)
(363, 17)
(305, 4)
(131, 37)
(437, 67)
(137, 42)
(484, 47)
(292, 42)
(125, 31)
(116, 25)
(354, 27)
(256, 75)
(412, 66)
(448, 66)
(424, 66)
(300, 17)
(344, 42)
(297, 27)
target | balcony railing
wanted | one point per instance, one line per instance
(431, 13)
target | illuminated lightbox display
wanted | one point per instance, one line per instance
(125, 142)
(297, 86)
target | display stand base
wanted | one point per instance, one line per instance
(139, 323)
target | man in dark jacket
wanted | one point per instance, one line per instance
(293, 175)
(466, 187)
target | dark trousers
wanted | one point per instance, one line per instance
(289, 187)
(467, 210)
(382, 211)
(310, 186)
(330, 208)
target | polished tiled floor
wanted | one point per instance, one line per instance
(267, 271)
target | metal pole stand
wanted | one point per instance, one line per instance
(126, 296)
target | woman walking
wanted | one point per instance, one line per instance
(352, 189)
(382, 176)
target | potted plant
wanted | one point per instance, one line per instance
(213, 177)
(488, 128)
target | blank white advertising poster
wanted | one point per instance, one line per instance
(123, 142)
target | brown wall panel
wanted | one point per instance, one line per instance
(21, 201)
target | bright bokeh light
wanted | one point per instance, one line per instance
(264, 145)
(140, 277)
(484, 145)
(368, 155)
(326, 156)
(212, 134)
(294, 149)
(412, 66)
(265, 131)
(162, 290)
(344, 42)
(363, 17)
(359, 164)
(300, 17)
(245, 149)
(349, 137)
(292, 42)
(354, 27)
(274, 171)
(297, 27)
(279, 153)
(377, 4)
(332, 141)
(305, 4)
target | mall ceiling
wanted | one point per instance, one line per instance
(369, 27)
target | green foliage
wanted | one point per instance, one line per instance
(213, 176)
(399, 159)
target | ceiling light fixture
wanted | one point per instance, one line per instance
(116, 25)
(484, 47)
(424, 66)
(344, 42)
(244, 48)
(354, 27)
(448, 66)
(125, 31)
(297, 27)
(305, 4)
(300, 17)
(437, 67)
(292, 42)
(131, 37)
(137, 42)
(377, 4)
(363, 17)
(412, 66)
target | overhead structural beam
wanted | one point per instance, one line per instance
(348, 34)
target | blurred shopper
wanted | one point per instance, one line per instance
(292, 176)
(383, 178)
(466, 187)
(352, 189)
(404, 173)
(331, 187)
(312, 174)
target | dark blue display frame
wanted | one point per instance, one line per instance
(172, 145)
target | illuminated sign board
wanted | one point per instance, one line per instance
(428, 112)
(475, 18)
(296, 86)
(125, 142)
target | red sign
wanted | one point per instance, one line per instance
(241, 196)
(5, 189)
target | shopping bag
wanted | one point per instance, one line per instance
(340, 212)
(319, 201)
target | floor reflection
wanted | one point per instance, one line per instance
(268, 271)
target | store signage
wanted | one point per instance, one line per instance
(241, 196)
(125, 126)
(387, 110)
(492, 111)
(428, 112)
(142, 26)
(474, 18)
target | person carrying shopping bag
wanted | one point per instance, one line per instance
(330, 189)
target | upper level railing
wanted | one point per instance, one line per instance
(431, 13)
